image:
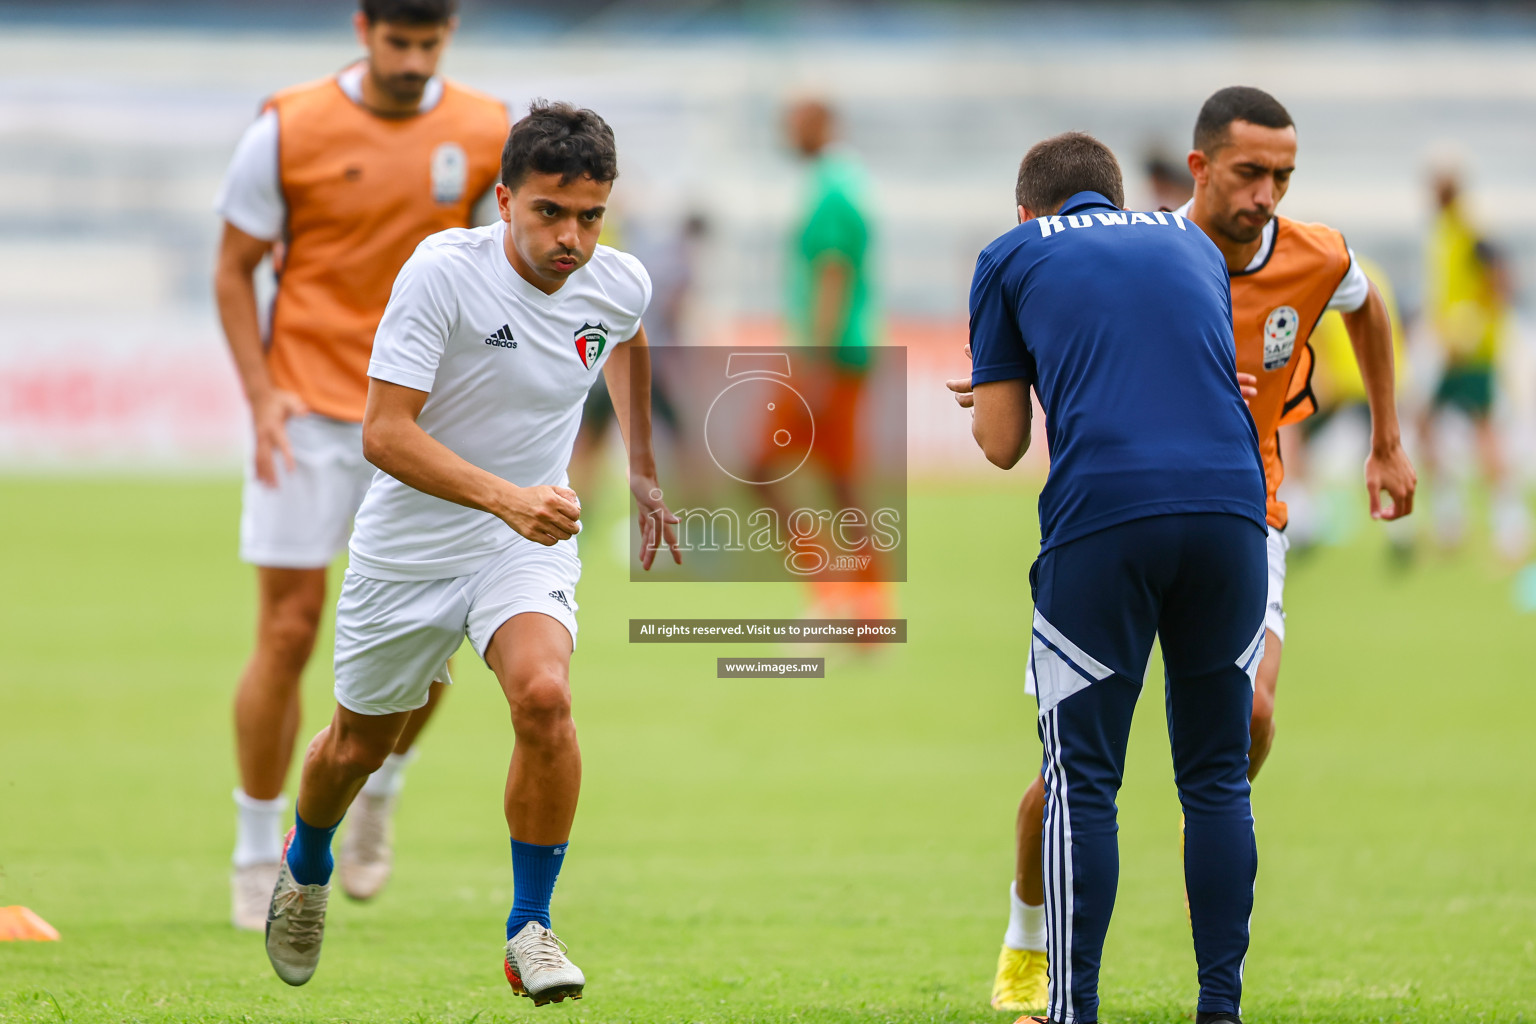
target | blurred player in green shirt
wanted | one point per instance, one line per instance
(830, 300)
(831, 305)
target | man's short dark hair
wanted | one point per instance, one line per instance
(1236, 103)
(557, 138)
(1056, 169)
(409, 12)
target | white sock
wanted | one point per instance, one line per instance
(1511, 522)
(1026, 923)
(258, 830)
(390, 778)
(1450, 519)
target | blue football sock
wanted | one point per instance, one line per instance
(309, 855)
(534, 870)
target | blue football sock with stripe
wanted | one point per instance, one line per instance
(309, 855)
(534, 870)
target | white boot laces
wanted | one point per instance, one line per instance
(542, 950)
(305, 913)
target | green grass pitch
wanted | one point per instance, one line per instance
(806, 851)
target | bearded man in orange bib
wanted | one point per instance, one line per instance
(339, 180)
(1285, 275)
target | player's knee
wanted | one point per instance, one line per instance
(358, 754)
(289, 632)
(543, 702)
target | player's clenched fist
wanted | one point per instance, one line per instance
(545, 515)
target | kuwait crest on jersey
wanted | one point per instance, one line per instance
(591, 339)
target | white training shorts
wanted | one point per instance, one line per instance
(1276, 545)
(393, 637)
(304, 522)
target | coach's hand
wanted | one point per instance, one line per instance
(962, 387)
(1387, 469)
(269, 422)
(544, 514)
(658, 523)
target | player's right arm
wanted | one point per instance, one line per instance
(1387, 468)
(407, 348)
(235, 292)
(1000, 420)
(1002, 369)
(394, 442)
(250, 201)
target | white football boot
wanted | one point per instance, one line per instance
(250, 892)
(366, 856)
(295, 924)
(537, 966)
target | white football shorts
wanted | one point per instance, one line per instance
(304, 522)
(393, 637)
(1276, 545)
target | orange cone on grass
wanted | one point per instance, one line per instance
(19, 924)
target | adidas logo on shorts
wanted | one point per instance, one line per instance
(502, 338)
(559, 595)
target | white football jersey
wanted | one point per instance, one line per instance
(507, 369)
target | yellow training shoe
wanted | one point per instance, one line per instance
(1021, 983)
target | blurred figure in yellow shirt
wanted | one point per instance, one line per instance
(1466, 306)
(1338, 385)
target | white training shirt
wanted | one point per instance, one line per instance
(1348, 297)
(251, 194)
(507, 369)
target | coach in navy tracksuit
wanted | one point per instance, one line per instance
(1151, 522)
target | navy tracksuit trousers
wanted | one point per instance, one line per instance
(1198, 582)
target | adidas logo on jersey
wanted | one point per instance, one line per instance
(559, 595)
(502, 338)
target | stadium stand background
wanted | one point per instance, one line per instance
(117, 119)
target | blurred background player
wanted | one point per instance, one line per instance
(1284, 276)
(1168, 181)
(1466, 305)
(339, 179)
(832, 307)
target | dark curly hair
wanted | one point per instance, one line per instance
(1236, 103)
(557, 138)
(408, 12)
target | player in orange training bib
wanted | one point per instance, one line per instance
(339, 180)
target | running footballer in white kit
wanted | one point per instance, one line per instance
(479, 371)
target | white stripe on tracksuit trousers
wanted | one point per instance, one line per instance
(1058, 876)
